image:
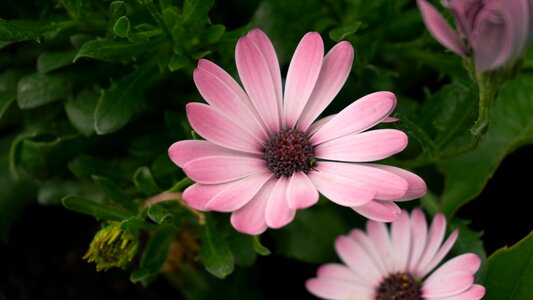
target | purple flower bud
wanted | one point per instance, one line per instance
(493, 32)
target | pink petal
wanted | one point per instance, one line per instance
(218, 128)
(182, 152)
(301, 193)
(364, 241)
(468, 262)
(475, 292)
(197, 195)
(340, 189)
(381, 211)
(338, 272)
(267, 49)
(387, 185)
(419, 232)
(318, 124)
(250, 219)
(401, 240)
(444, 249)
(257, 79)
(224, 98)
(367, 146)
(446, 285)
(439, 28)
(220, 169)
(416, 185)
(278, 213)
(435, 237)
(358, 116)
(492, 43)
(389, 120)
(358, 260)
(238, 193)
(333, 74)
(302, 76)
(379, 235)
(332, 289)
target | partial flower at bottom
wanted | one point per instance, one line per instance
(264, 156)
(399, 263)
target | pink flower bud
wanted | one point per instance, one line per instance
(493, 32)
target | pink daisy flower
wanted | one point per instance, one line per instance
(397, 265)
(263, 157)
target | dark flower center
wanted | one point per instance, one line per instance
(289, 151)
(399, 286)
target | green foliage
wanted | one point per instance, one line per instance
(217, 257)
(511, 126)
(510, 272)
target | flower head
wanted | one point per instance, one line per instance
(494, 32)
(380, 264)
(112, 247)
(263, 157)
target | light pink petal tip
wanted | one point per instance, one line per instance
(358, 116)
(416, 186)
(338, 188)
(367, 146)
(333, 74)
(278, 213)
(221, 91)
(182, 152)
(440, 29)
(250, 219)
(332, 289)
(238, 193)
(257, 79)
(222, 130)
(380, 211)
(220, 169)
(302, 76)
(301, 193)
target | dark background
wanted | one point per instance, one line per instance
(45, 262)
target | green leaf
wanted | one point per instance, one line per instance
(80, 110)
(122, 27)
(510, 272)
(212, 34)
(511, 126)
(154, 255)
(75, 8)
(117, 9)
(196, 9)
(120, 102)
(259, 248)
(218, 259)
(176, 62)
(8, 89)
(145, 182)
(340, 33)
(115, 193)
(95, 209)
(469, 241)
(167, 212)
(16, 195)
(17, 31)
(110, 50)
(50, 61)
(38, 89)
(84, 167)
(52, 190)
(44, 154)
(307, 238)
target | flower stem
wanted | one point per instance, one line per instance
(487, 94)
